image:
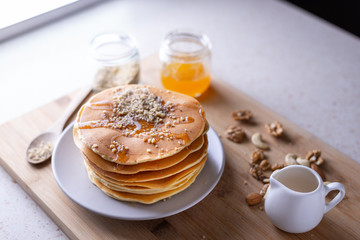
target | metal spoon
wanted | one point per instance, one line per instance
(52, 134)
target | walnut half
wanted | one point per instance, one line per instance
(275, 129)
(242, 115)
(257, 156)
(235, 134)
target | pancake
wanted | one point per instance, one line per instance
(141, 143)
(151, 187)
(154, 184)
(135, 168)
(188, 162)
(143, 198)
(136, 123)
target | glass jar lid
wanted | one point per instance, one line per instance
(185, 45)
(113, 48)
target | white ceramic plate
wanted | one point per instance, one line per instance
(71, 175)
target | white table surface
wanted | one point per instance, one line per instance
(292, 62)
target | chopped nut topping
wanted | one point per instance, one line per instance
(275, 129)
(138, 104)
(242, 115)
(117, 148)
(168, 124)
(235, 134)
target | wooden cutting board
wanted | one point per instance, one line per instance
(223, 214)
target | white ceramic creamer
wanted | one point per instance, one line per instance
(295, 199)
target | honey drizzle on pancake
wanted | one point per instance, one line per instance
(189, 120)
(137, 128)
(101, 105)
(92, 124)
(183, 136)
(120, 151)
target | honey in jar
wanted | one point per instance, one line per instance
(185, 60)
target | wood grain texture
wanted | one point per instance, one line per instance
(224, 214)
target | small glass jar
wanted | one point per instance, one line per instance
(118, 60)
(185, 57)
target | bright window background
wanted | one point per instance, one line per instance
(14, 11)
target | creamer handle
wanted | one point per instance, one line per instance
(331, 187)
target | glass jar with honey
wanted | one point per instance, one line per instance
(185, 57)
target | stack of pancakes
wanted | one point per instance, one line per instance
(142, 143)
